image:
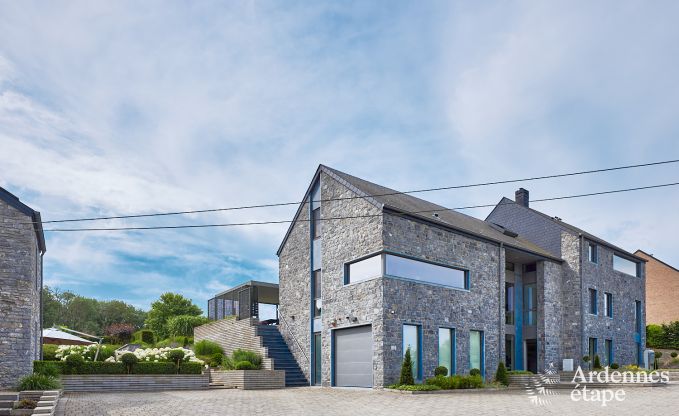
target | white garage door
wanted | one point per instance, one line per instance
(354, 357)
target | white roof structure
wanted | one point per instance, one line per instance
(63, 337)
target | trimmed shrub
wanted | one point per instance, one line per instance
(129, 360)
(47, 369)
(145, 336)
(38, 382)
(471, 382)
(441, 370)
(501, 374)
(444, 382)
(176, 356)
(191, 368)
(673, 354)
(415, 387)
(407, 370)
(597, 362)
(206, 347)
(615, 366)
(73, 363)
(245, 365)
(518, 372)
(247, 355)
(154, 368)
(48, 352)
(474, 372)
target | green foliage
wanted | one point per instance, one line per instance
(673, 354)
(169, 305)
(176, 356)
(456, 382)
(474, 372)
(245, 365)
(597, 362)
(663, 336)
(501, 374)
(252, 357)
(129, 360)
(471, 382)
(86, 314)
(415, 387)
(144, 336)
(26, 404)
(47, 369)
(97, 367)
(406, 377)
(73, 362)
(38, 382)
(615, 366)
(214, 360)
(658, 354)
(120, 333)
(48, 351)
(518, 372)
(441, 370)
(143, 367)
(206, 347)
(191, 368)
(182, 325)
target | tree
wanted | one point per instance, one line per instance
(501, 374)
(407, 370)
(120, 333)
(169, 305)
(116, 311)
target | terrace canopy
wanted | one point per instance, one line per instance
(243, 300)
(59, 337)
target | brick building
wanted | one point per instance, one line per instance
(662, 287)
(22, 245)
(366, 272)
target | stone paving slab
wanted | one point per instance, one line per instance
(341, 402)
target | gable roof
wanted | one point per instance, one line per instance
(387, 199)
(13, 201)
(651, 256)
(569, 227)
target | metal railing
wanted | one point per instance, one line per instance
(294, 338)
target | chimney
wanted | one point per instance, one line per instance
(521, 197)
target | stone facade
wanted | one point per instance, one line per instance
(21, 249)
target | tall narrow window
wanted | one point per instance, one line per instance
(318, 303)
(592, 349)
(593, 253)
(509, 303)
(476, 350)
(412, 339)
(316, 220)
(608, 304)
(593, 308)
(509, 352)
(637, 316)
(609, 352)
(530, 304)
(317, 359)
(446, 350)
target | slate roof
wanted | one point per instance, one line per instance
(14, 201)
(573, 229)
(390, 200)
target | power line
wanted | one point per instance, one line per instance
(353, 216)
(443, 188)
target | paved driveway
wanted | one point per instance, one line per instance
(330, 402)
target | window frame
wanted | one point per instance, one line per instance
(418, 375)
(608, 304)
(526, 311)
(593, 303)
(593, 253)
(610, 351)
(592, 342)
(511, 285)
(625, 258)
(482, 340)
(316, 223)
(453, 349)
(317, 297)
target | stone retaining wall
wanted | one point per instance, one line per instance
(134, 382)
(250, 379)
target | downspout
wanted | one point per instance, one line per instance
(42, 315)
(500, 306)
(582, 305)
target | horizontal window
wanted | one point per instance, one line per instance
(364, 269)
(621, 264)
(406, 268)
(425, 272)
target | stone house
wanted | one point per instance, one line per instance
(22, 246)
(597, 306)
(366, 272)
(662, 286)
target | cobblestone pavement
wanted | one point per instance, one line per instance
(331, 402)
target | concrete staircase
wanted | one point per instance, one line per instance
(7, 401)
(283, 359)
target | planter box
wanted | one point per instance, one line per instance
(134, 382)
(249, 379)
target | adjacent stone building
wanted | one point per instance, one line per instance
(662, 287)
(22, 245)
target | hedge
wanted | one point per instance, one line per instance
(98, 367)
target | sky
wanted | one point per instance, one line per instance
(110, 108)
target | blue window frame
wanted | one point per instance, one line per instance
(608, 304)
(592, 350)
(593, 307)
(447, 349)
(593, 253)
(477, 351)
(609, 351)
(412, 338)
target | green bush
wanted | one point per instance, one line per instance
(519, 372)
(191, 368)
(407, 370)
(615, 366)
(597, 362)
(38, 382)
(129, 360)
(49, 368)
(143, 367)
(98, 367)
(245, 365)
(471, 382)
(49, 352)
(176, 356)
(144, 336)
(444, 382)
(441, 370)
(474, 372)
(227, 363)
(247, 355)
(206, 347)
(214, 360)
(26, 404)
(501, 374)
(663, 336)
(74, 362)
(182, 325)
(415, 387)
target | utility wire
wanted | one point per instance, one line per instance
(354, 216)
(443, 188)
